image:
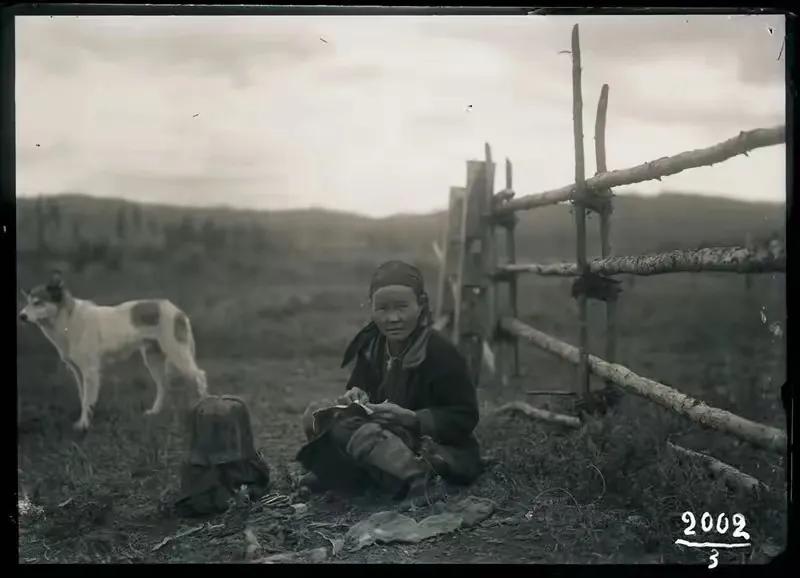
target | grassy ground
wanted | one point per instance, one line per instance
(608, 493)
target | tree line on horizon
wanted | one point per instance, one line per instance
(46, 229)
(85, 230)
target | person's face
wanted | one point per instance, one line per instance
(395, 310)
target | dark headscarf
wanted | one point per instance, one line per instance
(396, 273)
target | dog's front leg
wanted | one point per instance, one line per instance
(76, 373)
(91, 389)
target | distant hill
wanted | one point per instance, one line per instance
(642, 224)
(639, 225)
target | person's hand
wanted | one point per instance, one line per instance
(387, 413)
(353, 395)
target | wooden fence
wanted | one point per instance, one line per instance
(467, 305)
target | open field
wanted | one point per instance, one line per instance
(272, 328)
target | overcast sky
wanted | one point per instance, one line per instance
(378, 115)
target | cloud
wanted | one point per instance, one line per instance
(188, 189)
(198, 45)
(751, 41)
(260, 112)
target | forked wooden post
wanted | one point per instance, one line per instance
(605, 222)
(580, 210)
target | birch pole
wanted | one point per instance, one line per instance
(764, 259)
(580, 210)
(511, 250)
(759, 435)
(739, 145)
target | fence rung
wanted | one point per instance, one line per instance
(599, 184)
(760, 435)
(768, 259)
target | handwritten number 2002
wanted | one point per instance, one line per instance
(707, 524)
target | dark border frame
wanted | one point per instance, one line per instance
(789, 394)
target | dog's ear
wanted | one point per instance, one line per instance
(56, 280)
(55, 287)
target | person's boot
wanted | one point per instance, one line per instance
(311, 482)
(424, 491)
(408, 475)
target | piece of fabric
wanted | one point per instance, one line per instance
(370, 341)
(387, 527)
(397, 273)
(326, 457)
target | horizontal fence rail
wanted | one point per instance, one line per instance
(768, 259)
(741, 144)
(729, 475)
(540, 414)
(760, 435)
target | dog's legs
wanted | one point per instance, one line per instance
(202, 383)
(156, 364)
(91, 389)
(76, 373)
(180, 357)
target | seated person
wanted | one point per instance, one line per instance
(424, 405)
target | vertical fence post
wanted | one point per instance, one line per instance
(472, 281)
(441, 306)
(450, 258)
(580, 210)
(489, 265)
(605, 223)
(460, 218)
(511, 252)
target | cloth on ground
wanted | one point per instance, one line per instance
(390, 526)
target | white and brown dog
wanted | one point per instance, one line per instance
(87, 336)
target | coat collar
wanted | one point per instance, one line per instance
(369, 342)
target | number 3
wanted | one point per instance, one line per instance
(714, 559)
(688, 518)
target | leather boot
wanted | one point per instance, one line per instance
(385, 452)
(424, 491)
(311, 482)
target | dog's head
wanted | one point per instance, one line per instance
(45, 301)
